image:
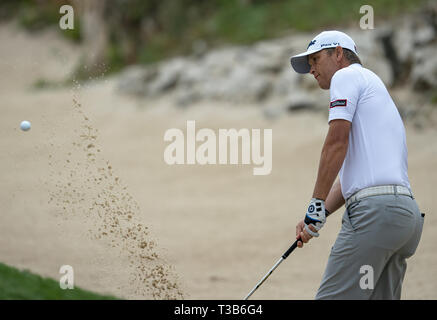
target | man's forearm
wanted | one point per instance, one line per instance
(330, 163)
(335, 198)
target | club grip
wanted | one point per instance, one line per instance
(290, 250)
(294, 245)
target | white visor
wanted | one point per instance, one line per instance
(324, 40)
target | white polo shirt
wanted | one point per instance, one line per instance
(377, 151)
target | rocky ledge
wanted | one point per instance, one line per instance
(403, 52)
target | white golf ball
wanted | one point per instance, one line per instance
(25, 125)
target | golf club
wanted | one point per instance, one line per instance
(283, 257)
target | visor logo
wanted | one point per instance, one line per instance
(311, 43)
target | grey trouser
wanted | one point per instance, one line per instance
(378, 234)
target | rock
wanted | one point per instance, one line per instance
(167, 77)
(371, 53)
(185, 98)
(429, 13)
(398, 74)
(404, 40)
(402, 43)
(301, 100)
(286, 81)
(194, 74)
(134, 78)
(424, 35)
(424, 72)
(381, 66)
(220, 62)
(298, 100)
(241, 84)
(264, 57)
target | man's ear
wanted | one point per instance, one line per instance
(338, 53)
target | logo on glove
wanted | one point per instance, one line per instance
(316, 216)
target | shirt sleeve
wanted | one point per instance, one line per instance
(344, 91)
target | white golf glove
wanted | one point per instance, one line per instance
(315, 215)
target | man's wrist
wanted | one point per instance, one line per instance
(319, 197)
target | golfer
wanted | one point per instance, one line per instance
(366, 147)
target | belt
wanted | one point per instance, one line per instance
(379, 190)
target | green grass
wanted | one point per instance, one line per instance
(24, 285)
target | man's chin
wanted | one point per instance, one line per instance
(322, 86)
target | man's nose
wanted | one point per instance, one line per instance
(312, 70)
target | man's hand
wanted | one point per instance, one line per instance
(314, 220)
(302, 234)
(315, 215)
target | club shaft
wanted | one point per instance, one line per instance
(284, 256)
(264, 278)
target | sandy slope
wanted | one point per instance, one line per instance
(220, 227)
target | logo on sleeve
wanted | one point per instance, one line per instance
(338, 103)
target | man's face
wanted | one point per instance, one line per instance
(323, 67)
